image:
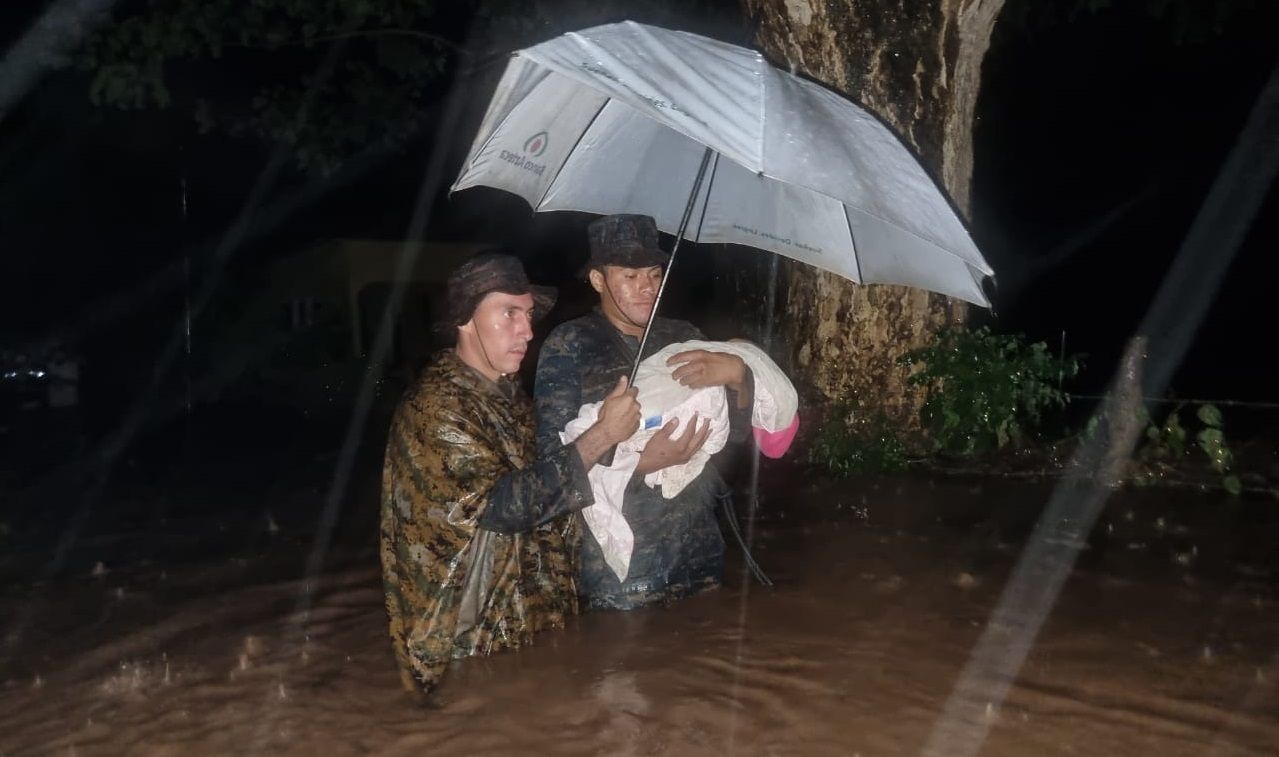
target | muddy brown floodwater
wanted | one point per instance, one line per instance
(1163, 642)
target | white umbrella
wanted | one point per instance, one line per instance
(719, 146)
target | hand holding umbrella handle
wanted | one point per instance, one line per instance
(618, 420)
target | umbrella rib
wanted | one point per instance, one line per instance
(568, 155)
(763, 107)
(605, 55)
(852, 239)
(931, 243)
(710, 186)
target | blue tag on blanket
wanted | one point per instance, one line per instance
(652, 422)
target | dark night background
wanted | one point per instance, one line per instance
(189, 554)
(1098, 135)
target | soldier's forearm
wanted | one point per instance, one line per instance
(592, 445)
(524, 499)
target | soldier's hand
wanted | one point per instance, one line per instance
(664, 449)
(701, 368)
(619, 416)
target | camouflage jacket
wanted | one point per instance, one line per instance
(678, 546)
(477, 542)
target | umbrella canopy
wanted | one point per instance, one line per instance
(617, 118)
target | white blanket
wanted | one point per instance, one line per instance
(662, 398)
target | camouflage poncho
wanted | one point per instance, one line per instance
(476, 537)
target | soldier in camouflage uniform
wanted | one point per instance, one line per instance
(477, 533)
(678, 547)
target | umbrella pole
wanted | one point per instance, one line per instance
(770, 307)
(679, 236)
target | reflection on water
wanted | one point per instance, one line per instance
(853, 651)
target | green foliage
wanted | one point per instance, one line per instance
(986, 390)
(848, 444)
(1167, 443)
(1212, 440)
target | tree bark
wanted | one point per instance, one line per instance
(917, 65)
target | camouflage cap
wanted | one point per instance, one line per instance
(491, 271)
(625, 240)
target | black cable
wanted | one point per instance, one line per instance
(730, 514)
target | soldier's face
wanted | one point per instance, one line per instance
(498, 334)
(627, 295)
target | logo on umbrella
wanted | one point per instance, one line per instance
(533, 147)
(536, 144)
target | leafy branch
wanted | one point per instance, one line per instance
(986, 390)
(1167, 445)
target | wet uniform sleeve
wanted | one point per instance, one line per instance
(557, 391)
(739, 418)
(484, 489)
(554, 485)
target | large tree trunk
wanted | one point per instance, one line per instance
(917, 65)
